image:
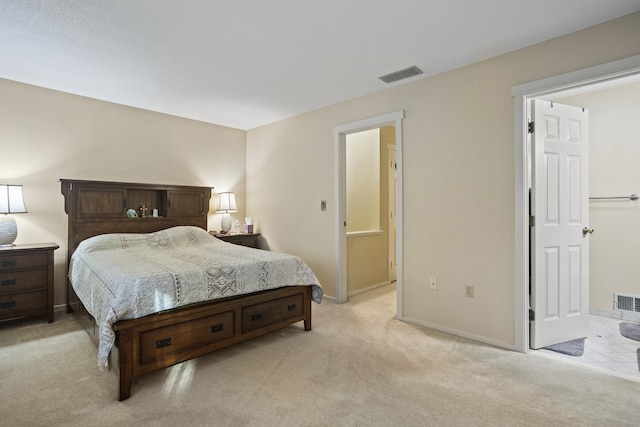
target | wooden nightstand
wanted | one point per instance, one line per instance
(250, 240)
(26, 281)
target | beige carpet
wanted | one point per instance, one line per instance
(358, 367)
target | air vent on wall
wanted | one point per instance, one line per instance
(400, 75)
(627, 302)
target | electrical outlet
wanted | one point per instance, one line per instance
(468, 291)
(433, 284)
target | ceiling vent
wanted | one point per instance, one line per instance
(401, 75)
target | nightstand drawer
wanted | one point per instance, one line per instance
(26, 281)
(16, 304)
(22, 280)
(23, 262)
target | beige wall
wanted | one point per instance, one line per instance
(366, 262)
(614, 150)
(363, 181)
(47, 135)
(459, 185)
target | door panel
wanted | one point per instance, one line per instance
(559, 203)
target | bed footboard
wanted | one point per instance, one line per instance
(159, 340)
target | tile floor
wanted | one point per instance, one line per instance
(606, 348)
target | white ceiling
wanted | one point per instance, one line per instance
(247, 63)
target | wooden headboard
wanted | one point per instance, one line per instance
(99, 207)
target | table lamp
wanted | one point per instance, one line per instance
(226, 204)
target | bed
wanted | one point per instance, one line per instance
(157, 291)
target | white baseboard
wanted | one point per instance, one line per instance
(472, 337)
(367, 289)
(615, 314)
(328, 298)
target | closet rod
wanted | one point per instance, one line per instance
(631, 197)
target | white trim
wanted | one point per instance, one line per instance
(368, 288)
(598, 74)
(585, 77)
(615, 314)
(479, 338)
(392, 189)
(363, 233)
(328, 298)
(370, 123)
(341, 217)
(522, 229)
(340, 133)
(399, 213)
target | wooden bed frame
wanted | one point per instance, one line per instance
(163, 339)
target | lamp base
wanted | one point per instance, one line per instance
(9, 230)
(225, 223)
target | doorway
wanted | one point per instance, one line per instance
(564, 85)
(613, 214)
(340, 133)
(371, 209)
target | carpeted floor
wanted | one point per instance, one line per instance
(359, 366)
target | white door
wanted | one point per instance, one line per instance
(393, 206)
(560, 233)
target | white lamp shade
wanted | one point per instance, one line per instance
(227, 203)
(11, 200)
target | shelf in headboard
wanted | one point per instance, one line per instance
(100, 207)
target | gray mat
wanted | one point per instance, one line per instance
(572, 348)
(630, 330)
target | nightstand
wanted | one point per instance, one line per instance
(26, 281)
(250, 240)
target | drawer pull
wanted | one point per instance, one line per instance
(8, 263)
(163, 343)
(291, 307)
(255, 317)
(9, 304)
(217, 328)
(8, 282)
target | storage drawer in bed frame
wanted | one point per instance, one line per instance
(172, 341)
(260, 315)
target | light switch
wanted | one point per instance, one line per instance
(323, 205)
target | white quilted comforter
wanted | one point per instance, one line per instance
(126, 276)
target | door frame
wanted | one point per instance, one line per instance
(575, 81)
(392, 184)
(340, 136)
